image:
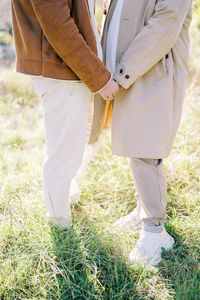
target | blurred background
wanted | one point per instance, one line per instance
(7, 53)
(90, 262)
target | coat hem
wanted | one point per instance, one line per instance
(141, 154)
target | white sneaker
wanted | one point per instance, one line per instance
(63, 223)
(130, 222)
(149, 248)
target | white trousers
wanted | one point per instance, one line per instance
(66, 111)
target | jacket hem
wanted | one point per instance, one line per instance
(52, 70)
(45, 69)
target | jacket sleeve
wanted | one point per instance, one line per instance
(153, 42)
(63, 35)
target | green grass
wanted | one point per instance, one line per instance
(39, 262)
(90, 261)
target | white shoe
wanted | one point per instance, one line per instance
(149, 248)
(130, 222)
(63, 223)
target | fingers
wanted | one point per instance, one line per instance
(110, 90)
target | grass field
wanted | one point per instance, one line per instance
(90, 261)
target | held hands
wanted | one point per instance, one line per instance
(110, 90)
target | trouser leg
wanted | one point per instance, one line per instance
(66, 109)
(138, 203)
(89, 153)
(150, 184)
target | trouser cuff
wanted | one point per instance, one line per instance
(153, 228)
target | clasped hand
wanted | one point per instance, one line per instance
(110, 90)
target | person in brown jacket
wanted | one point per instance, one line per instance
(57, 44)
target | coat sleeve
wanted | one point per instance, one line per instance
(62, 33)
(154, 41)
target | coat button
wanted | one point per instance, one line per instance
(127, 76)
(166, 56)
(121, 71)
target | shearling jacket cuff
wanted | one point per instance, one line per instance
(97, 92)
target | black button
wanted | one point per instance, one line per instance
(166, 56)
(121, 71)
(127, 76)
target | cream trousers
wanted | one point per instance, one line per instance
(151, 190)
(66, 110)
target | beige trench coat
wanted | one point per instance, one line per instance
(152, 66)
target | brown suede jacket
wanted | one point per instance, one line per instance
(55, 38)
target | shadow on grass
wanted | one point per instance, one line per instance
(89, 267)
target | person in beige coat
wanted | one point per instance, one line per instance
(146, 48)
